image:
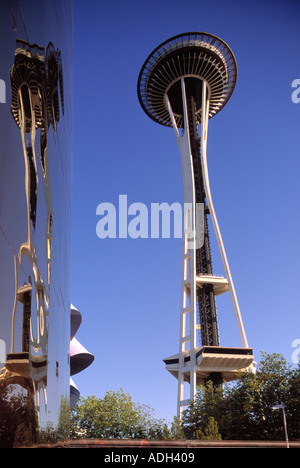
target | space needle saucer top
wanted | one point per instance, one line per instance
(195, 56)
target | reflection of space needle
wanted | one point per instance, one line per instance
(35, 78)
(28, 108)
(185, 81)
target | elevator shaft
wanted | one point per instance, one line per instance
(206, 303)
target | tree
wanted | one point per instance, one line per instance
(211, 432)
(240, 410)
(243, 409)
(18, 422)
(208, 404)
(176, 431)
(115, 416)
(293, 407)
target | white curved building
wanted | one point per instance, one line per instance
(80, 358)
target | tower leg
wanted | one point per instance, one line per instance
(187, 339)
(204, 128)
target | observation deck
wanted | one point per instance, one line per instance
(195, 56)
(227, 361)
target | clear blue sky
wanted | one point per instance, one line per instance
(129, 290)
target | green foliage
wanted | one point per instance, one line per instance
(176, 431)
(211, 432)
(18, 422)
(115, 416)
(199, 417)
(243, 409)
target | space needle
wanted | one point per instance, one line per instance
(184, 82)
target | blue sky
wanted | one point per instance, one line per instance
(128, 290)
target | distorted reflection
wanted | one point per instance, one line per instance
(36, 85)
